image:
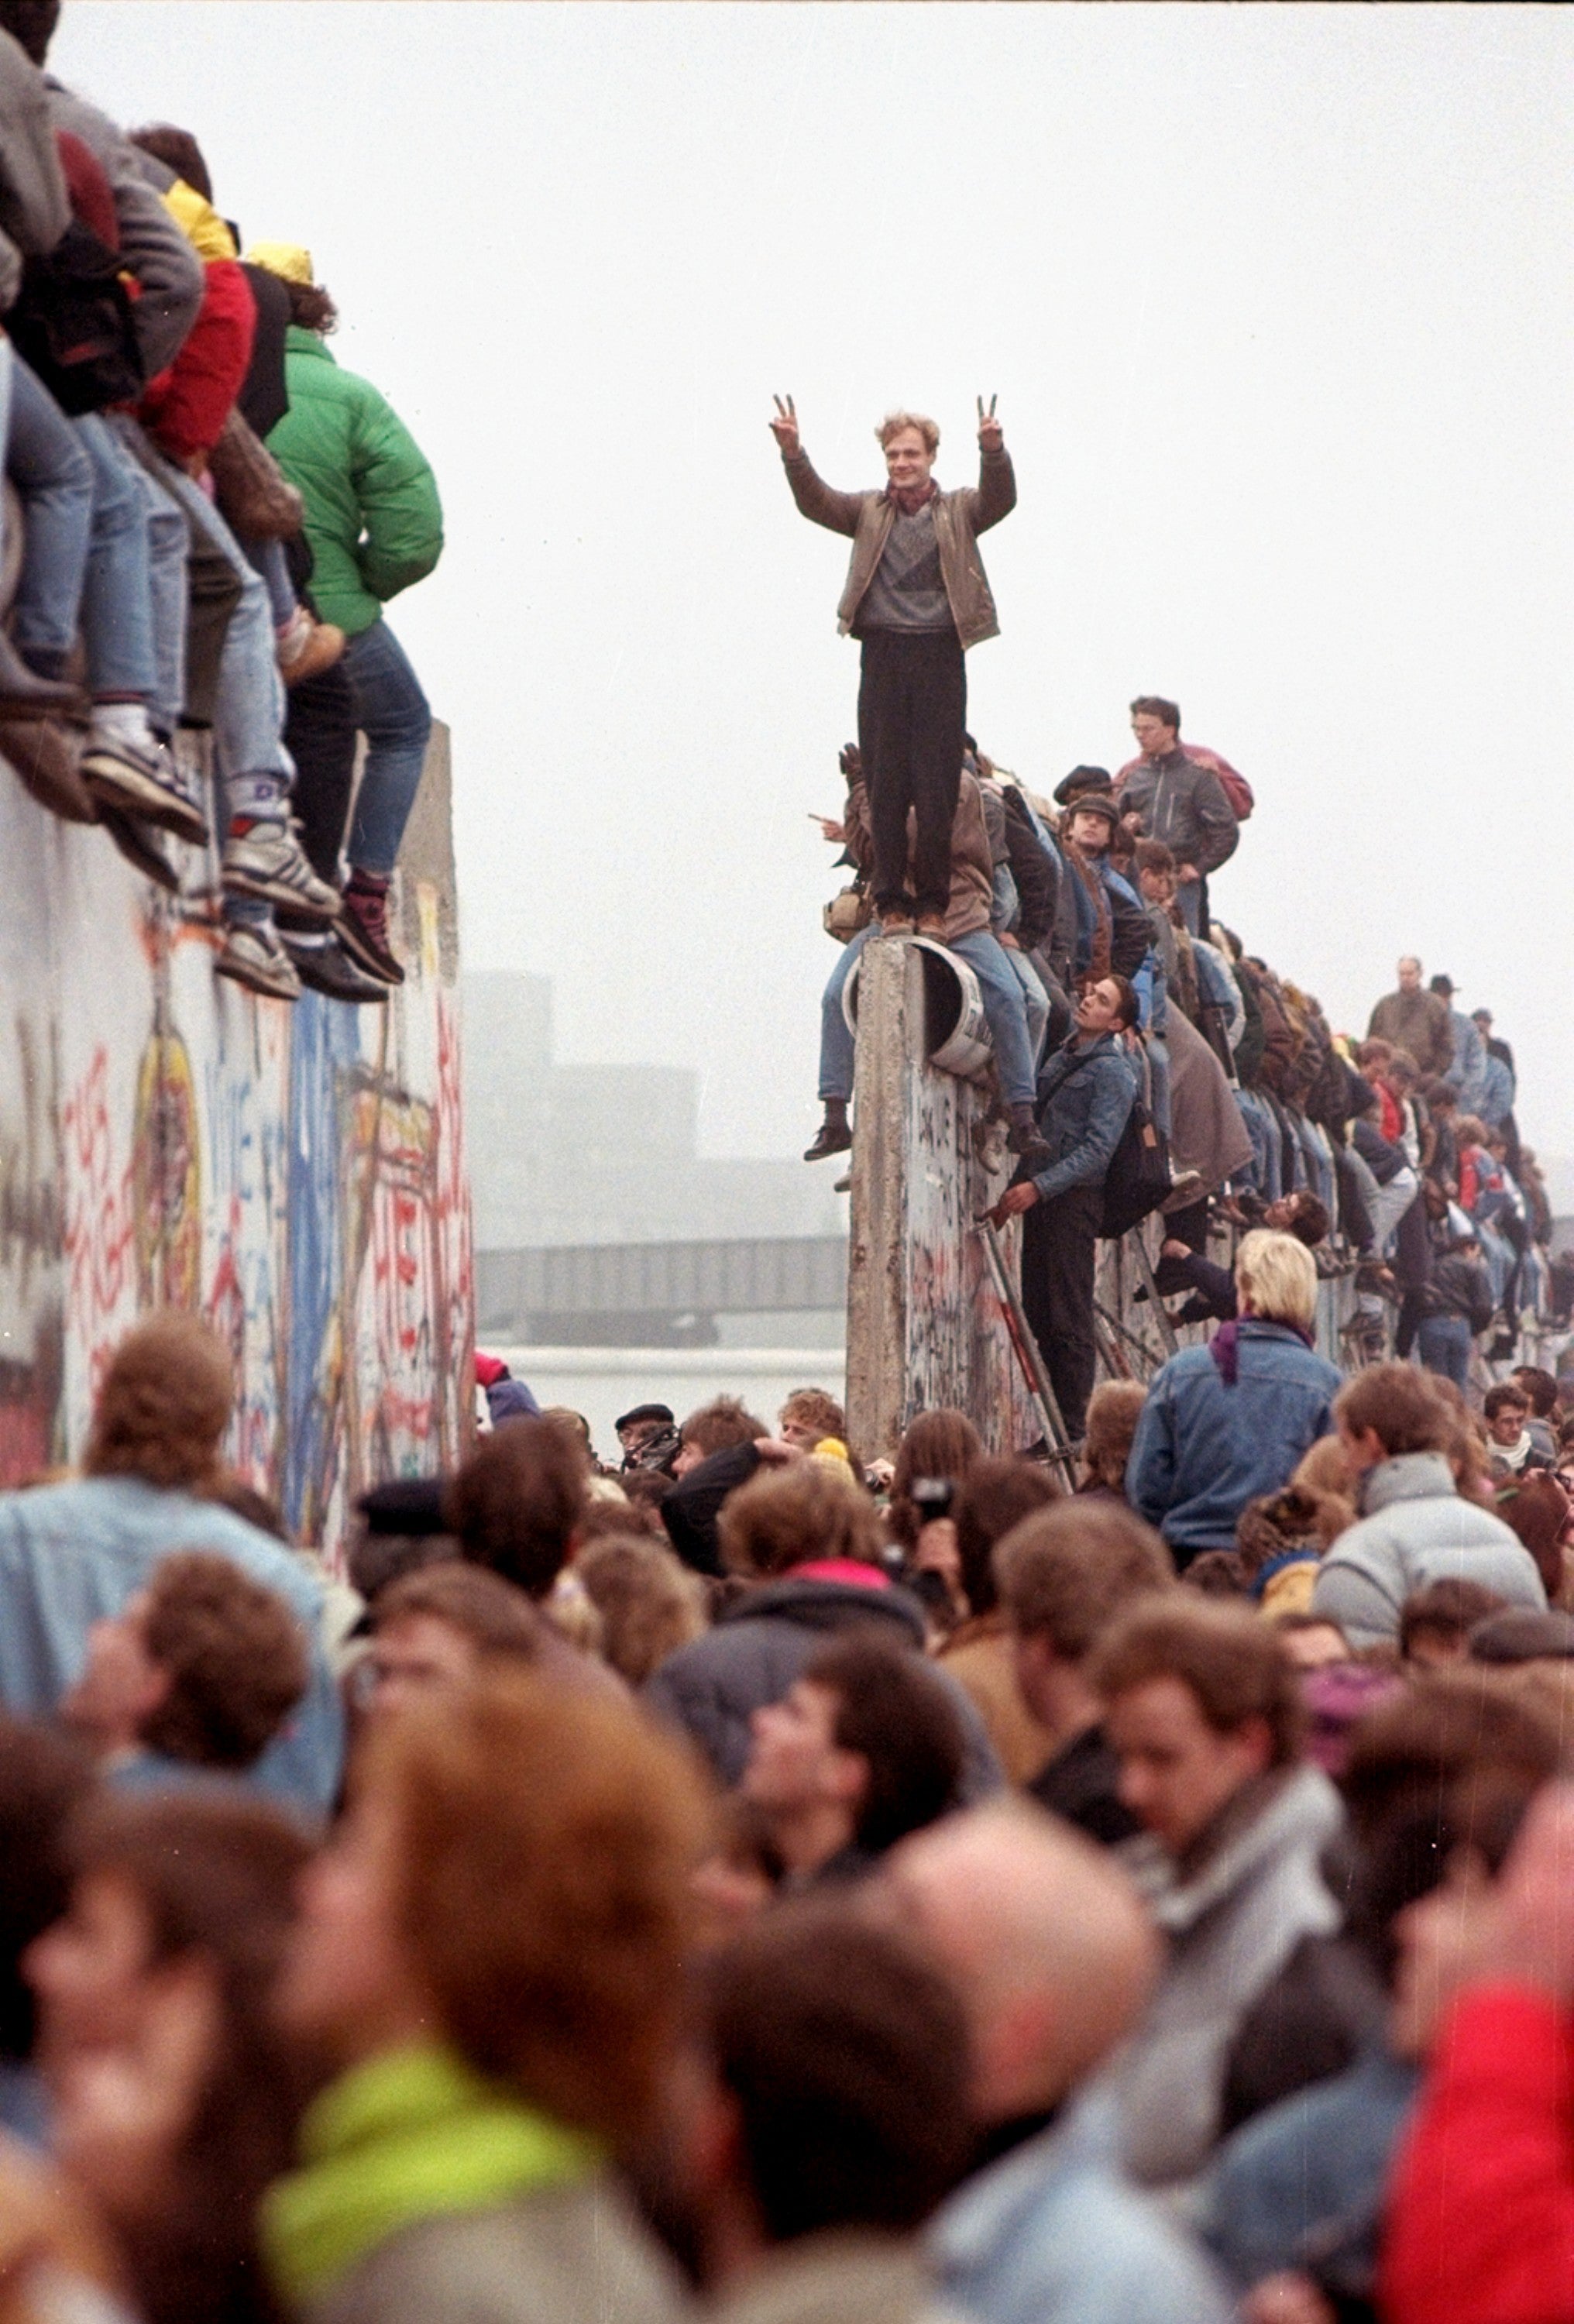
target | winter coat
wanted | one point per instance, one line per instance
(153, 248)
(1202, 1450)
(959, 518)
(1037, 874)
(34, 207)
(845, 2275)
(373, 516)
(1085, 1096)
(759, 1646)
(1231, 1921)
(1416, 1021)
(1466, 1071)
(1481, 2204)
(1184, 804)
(1280, 1043)
(1415, 1529)
(1207, 1132)
(981, 1656)
(1459, 1285)
(1052, 2234)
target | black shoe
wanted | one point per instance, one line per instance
(1024, 1141)
(831, 1138)
(139, 844)
(328, 968)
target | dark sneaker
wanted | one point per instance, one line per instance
(143, 782)
(139, 844)
(328, 968)
(831, 1138)
(255, 958)
(363, 932)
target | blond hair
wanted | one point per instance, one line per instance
(1277, 1277)
(895, 421)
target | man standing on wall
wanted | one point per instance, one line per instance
(916, 598)
(1180, 801)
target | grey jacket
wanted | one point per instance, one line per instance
(34, 207)
(1184, 803)
(576, 2255)
(1232, 1922)
(959, 518)
(1051, 2233)
(1415, 1529)
(151, 245)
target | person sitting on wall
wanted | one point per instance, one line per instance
(963, 929)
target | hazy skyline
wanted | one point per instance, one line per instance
(1277, 306)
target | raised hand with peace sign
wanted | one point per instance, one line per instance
(992, 435)
(785, 427)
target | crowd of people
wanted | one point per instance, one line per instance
(1115, 996)
(214, 515)
(734, 1880)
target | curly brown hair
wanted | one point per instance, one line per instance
(786, 1517)
(164, 1405)
(236, 1657)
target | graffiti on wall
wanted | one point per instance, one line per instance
(294, 1174)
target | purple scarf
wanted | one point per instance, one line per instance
(911, 498)
(1224, 1347)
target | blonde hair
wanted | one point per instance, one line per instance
(895, 421)
(1276, 1276)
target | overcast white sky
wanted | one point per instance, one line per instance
(1278, 307)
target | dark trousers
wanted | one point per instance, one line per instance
(1059, 1250)
(912, 710)
(320, 735)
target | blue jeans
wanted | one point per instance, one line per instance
(1003, 1006)
(53, 475)
(1444, 1343)
(392, 711)
(167, 540)
(131, 534)
(1189, 896)
(1035, 1001)
(269, 559)
(249, 715)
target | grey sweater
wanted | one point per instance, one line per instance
(1415, 1529)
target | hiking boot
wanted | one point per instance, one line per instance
(833, 1137)
(43, 753)
(145, 783)
(140, 844)
(328, 968)
(308, 648)
(895, 924)
(363, 929)
(932, 924)
(254, 957)
(1024, 1141)
(268, 861)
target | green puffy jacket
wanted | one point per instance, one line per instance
(372, 515)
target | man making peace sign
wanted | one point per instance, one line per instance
(916, 598)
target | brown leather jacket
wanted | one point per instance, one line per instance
(959, 519)
(968, 908)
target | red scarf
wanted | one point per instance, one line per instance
(911, 498)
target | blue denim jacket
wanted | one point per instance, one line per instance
(72, 1554)
(1084, 1097)
(1202, 1451)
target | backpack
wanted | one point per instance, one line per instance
(73, 324)
(1235, 787)
(1138, 1178)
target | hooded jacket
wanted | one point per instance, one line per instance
(1415, 1529)
(758, 1646)
(1231, 1920)
(959, 518)
(373, 516)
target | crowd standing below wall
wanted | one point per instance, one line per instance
(215, 517)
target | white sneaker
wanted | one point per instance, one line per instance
(268, 861)
(148, 783)
(254, 957)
